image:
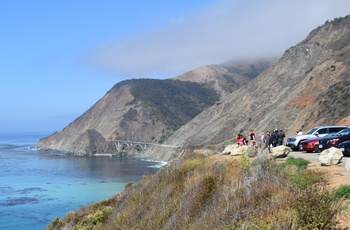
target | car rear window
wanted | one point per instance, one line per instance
(344, 132)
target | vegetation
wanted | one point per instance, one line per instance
(334, 103)
(300, 163)
(201, 193)
(343, 192)
(171, 101)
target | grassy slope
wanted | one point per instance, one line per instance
(173, 102)
(200, 192)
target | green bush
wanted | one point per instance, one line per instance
(342, 191)
(300, 163)
(316, 209)
(305, 179)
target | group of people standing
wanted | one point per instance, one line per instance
(267, 140)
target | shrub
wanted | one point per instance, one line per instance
(190, 164)
(300, 163)
(129, 184)
(305, 179)
(316, 209)
(342, 191)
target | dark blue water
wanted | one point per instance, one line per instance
(36, 186)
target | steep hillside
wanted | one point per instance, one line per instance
(149, 110)
(135, 110)
(306, 87)
(229, 76)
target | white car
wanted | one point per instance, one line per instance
(294, 142)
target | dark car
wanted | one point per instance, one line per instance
(334, 140)
(345, 148)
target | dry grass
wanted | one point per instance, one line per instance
(201, 192)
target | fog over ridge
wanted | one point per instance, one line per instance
(214, 34)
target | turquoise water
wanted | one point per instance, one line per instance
(36, 186)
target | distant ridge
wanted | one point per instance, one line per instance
(150, 110)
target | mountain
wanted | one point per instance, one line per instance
(307, 86)
(150, 110)
(229, 76)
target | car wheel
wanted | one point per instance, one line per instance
(299, 148)
(317, 150)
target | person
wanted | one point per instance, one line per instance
(300, 132)
(280, 137)
(240, 140)
(245, 140)
(273, 138)
(252, 137)
(262, 134)
(266, 142)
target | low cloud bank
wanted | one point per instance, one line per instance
(225, 30)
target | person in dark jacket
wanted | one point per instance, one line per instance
(273, 138)
(280, 137)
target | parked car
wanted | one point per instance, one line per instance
(345, 148)
(294, 142)
(333, 141)
(311, 145)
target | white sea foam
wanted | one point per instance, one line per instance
(159, 164)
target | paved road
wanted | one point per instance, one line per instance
(312, 156)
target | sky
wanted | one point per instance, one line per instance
(59, 57)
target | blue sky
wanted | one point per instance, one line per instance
(57, 58)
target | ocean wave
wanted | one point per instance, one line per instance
(159, 164)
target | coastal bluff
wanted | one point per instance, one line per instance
(88, 143)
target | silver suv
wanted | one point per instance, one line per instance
(294, 142)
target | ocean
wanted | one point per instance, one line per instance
(36, 185)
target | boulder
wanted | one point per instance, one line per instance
(228, 149)
(280, 151)
(239, 151)
(235, 150)
(347, 165)
(331, 156)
